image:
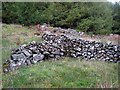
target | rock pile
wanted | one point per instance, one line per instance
(46, 28)
(58, 46)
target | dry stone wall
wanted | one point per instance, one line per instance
(55, 47)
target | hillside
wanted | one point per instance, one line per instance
(66, 72)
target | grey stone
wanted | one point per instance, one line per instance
(27, 53)
(46, 53)
(38, 57)
(64, 45)
(18, 56)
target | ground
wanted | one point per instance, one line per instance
(66, 72)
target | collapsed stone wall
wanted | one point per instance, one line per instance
(55, 47)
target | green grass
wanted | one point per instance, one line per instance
(11, 35)
(66, 72)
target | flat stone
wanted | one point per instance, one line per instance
(18, 56)
(46, 53)
(33, 48)
(38, 57)
(27, 53)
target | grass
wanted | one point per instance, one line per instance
(13, 37)
(63, 73)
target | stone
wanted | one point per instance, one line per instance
(33, 48)
(38, 57)
(28, 62)
(47, 53)
(18, 56)
(23, 46)
(55, 46)
(51, 56)
(27, 53)
(73, 55)
(77, 49)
